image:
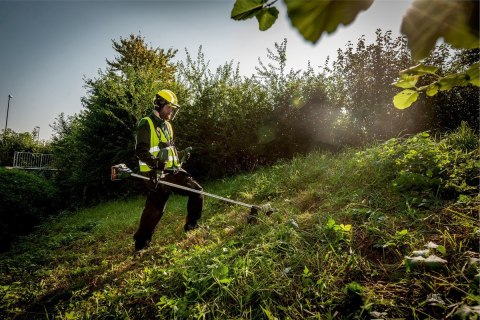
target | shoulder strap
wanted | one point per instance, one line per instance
(170, 129)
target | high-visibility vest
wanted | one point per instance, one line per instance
(155, 139)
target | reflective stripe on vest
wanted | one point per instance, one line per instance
(172, 162)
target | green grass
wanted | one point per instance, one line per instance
(335, 247)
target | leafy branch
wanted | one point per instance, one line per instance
(409, 78)
(424, 23)
(264, 10)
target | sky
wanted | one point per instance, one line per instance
(49, 48)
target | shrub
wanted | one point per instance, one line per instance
(25, 199)
(422, 165)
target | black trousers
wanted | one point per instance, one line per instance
(156, 202)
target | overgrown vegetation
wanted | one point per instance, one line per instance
(11, 141)
(236, 123)
(386, 231)
(26, 199)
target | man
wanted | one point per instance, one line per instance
(156, 152)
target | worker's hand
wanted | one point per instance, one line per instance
(159, 164)
(184, 155)
(163, 154)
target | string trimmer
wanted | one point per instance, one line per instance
(121, 171)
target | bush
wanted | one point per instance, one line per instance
(25, 199)
(425, 166)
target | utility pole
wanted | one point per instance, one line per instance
(8, 108)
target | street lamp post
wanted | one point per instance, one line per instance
(8, 108)
(38, 132)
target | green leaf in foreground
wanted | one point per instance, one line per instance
(407, 81)
(246, 9)
(427, 20)
(405, 99)
(474, 74)
(432, 89)
(267, 17)
(312, 18)
(419, 69)
(442, 250)
(221, 274)
(453, 80)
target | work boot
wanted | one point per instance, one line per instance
(141, 245)
(189, 227)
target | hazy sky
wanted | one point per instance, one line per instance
(48, 47)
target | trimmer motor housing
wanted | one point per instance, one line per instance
(120, 172)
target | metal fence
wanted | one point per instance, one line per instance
(33, 161)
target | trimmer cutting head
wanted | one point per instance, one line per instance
(254, 210)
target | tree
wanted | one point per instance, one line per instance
(361, 76)
(220, 118)
(103, 133)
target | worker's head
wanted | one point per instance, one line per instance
(166, 104)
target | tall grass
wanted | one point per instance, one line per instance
(335, 248)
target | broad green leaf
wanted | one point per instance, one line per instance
(401, 233)
(353, 288)
(405, 99)
(225, 280)
(419, 69)
(442, 250)
(220, 272)
(346, 227)
(312, 18)
(266, 18)
(330, 223)
(70, 315)
(474, 74)
(407, 81)
(453, 80)
(306, 272)
(432, 89)
(426, 21)
(246, 9)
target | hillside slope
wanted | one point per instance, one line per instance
(390, 231)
